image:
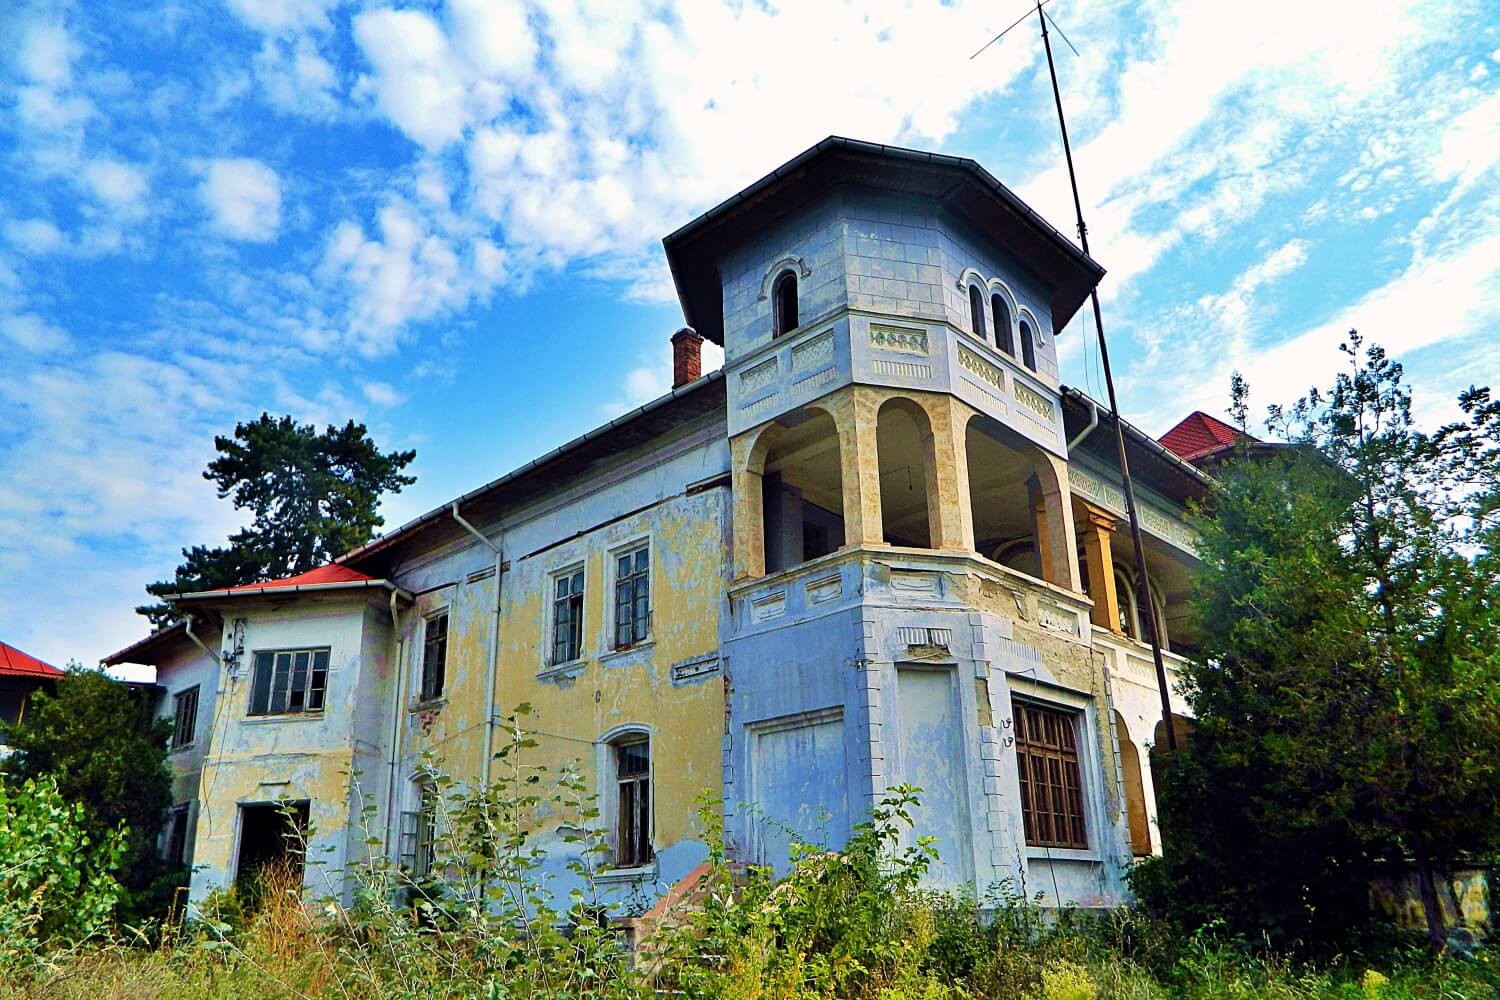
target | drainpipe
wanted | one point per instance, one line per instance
(399, 706)
(489, 680)
(1093, 422)
(188, 627)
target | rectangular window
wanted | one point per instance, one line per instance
(419, 833)
(184, 718)
(632, 597)
(567, 616)
(434, 656)
(1051, 779)
(177, 835)
(289, 682)
(633, 781)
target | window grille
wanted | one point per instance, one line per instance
(289, 682)
(434, 656)
(184, 718)
(567, 617)
(1051, 779)
(633, 782)
(632, 597)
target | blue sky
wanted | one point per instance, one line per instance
(444, 221)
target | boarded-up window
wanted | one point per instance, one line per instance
(567, 616)
(289, 682)
(632, 597)
(184, 718)
(434, 656)
(633, 784)
(1051, 779)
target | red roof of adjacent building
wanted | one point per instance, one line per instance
(14, 663)
(332, 573)
(1199, 434)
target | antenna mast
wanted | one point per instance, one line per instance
(1143, 585)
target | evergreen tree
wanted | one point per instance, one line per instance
(1347, 690)
(313, 496)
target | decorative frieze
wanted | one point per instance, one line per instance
(909, 635)
(813, 353)
(757, 378)
(768, 607)
(825, 590)
(902, 369)
(1032, 400)
(898, 338)
(975, 365)
(1058, 618)
(761, 406)
(810, 386)
(914, 583)
(1153, 519)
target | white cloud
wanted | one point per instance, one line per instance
(243, 197)
(273, 16)
(115, 182)
(46, 54)
(35, 236)
(381, 393)
(33, 333)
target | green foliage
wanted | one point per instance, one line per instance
(57, 884)
(313, 496)
(99, 741)
(1347, 683)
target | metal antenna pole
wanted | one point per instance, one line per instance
(1143, 584)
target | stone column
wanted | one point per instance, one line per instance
(1055, 541)
(1098, 528)
(950, 515)
(749, 515)
(855, 415)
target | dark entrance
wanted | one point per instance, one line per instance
(271, 847)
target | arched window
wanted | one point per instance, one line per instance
(976, 312)
(1132, 617)
(1028, 347)
(784, 303)
(1004, 339)
(629, 761)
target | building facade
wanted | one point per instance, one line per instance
(882, 546)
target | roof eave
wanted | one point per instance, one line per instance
(299, 588)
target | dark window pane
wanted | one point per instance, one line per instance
(260, 695)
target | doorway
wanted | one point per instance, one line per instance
(272, 844)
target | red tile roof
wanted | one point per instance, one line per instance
(1199, 434)
(14, 663)
(332, 573)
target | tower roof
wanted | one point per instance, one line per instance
(1198, 435)
(958, 184)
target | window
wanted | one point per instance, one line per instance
(567, 616)
(1132, 620)
(184, 718)
(784, 303)
(976, 311)
(1003, 337)
(632, 597)
(434, 656)
(419, 832)
(1051, 780)
(289, 682)
(176, 848)
(1028, 348)
(632, 802)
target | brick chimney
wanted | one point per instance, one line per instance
(687, 356)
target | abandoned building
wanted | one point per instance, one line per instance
(883, 545)
(21, 676)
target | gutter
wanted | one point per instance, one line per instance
(399, 706)
(188, 628)
(1093, 422)
(1151, 444)
(300, 588)
(489, 679)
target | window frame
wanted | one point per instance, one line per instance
(179, 717)
(178, 852)
(580, 635)
(631, 550)
(425, 690)
(417, 836)
(1074, 722)
(614, 815)
(778, 327)
(312, 671)
(977, 324)
(1005, 333)
(1026, 333)
(1130, 606)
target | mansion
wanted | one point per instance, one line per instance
(883, 545)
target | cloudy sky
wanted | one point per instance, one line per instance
(444, 220)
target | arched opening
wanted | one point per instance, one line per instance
(1134, 790)
(1028, 346)
(976, 312)
(1013, 501)
(903, 438)
(802, 490)
(1132, 610)
(1004, 339)
(784, 302)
